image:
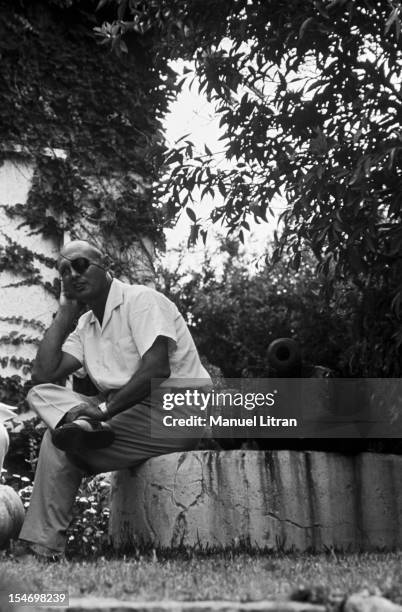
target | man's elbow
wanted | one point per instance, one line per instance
(164, 372)
(161, 370)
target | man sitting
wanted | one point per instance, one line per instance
(131, 335)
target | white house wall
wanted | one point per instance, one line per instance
(34, 303)
(31, 303)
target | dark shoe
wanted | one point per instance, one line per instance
(21, 549)
(73, 437)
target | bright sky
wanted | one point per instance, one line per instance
(192, 114)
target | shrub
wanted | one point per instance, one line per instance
(235, 313)
(87, 534)
(88, 531)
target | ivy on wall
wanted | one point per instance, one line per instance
(20, 260)
(61, 91)
(13, 391)
(90, 121)
(18, 320)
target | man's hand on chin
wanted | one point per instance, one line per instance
(83, 411)
(68, 301)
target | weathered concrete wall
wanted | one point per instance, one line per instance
(29, 302)
(277, 499)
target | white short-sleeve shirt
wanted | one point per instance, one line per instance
(135, 315)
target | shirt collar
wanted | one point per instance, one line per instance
(114, 299)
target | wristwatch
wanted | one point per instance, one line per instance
(103, 408)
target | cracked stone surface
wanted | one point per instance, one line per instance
(276, 499)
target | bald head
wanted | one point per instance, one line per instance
(82, 248)
(83, 271)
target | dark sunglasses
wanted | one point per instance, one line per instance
(79, 265)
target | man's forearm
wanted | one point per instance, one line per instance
(49, 353)
(136, 390)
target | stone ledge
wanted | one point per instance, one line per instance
(93, 604)
(364, 602)
(286, 500)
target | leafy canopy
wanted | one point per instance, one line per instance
(309, 100)
(91, 121)
(310, 104)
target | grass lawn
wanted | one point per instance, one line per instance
(221, 576)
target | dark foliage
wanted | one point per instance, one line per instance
(90, 123)
(61, 90)
(308, 95)
(87, 535)
(235, 313)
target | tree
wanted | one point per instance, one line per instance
(235, 313)
(60, 91)
(309, 99)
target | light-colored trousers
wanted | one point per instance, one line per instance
(58, 475)
(4, 443)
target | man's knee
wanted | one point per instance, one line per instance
(51, 402)
(32, 396)
(39, 393)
